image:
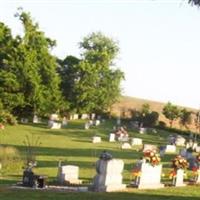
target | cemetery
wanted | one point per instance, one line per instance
(74, 163)
(68, 130)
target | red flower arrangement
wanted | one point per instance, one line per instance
(152, 157)
(179, 163)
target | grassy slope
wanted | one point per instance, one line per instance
(126, 103)
(73, 146)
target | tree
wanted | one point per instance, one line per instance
(11, 95)
(95, 83)
(185, 118)
(38, 76)
(70, 74)
(171, 112)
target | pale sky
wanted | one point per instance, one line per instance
(158, 39)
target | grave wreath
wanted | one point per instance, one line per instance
(178, 162)
(152, 157)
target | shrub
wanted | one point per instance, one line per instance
(7, 118)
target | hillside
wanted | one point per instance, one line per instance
(127, 103)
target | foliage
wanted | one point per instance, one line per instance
(91, 84)
(185, 118)
(171, 112)
(179, 162)
(152, 157)
(145, 116)
(7, 118)
(39, 80)
(10, 89)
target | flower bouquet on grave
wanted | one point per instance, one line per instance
(178, 162)
(152, 157)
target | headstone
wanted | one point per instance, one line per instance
(87, 125)
(75, 116)
(126, 145)
(112, 137)
(54, 125)
(64, 122)
(107, 179)
(35, 119)
(150, 177)
(198, 149)
(54, 117)
(96, 139)
(68, 174)
(97, 122)
(149, 147)
(118, 121)
(142, 130)
(136, 141)
(171, 139)
(84, 116)
(92, 116)
(178, 180)
(123, 138)
(170, 149)
(180, 141)
(24, 120)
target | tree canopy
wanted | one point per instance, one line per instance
(94, 82)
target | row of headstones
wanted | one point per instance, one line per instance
(107, 179)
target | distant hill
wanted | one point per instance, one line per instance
(126, 103)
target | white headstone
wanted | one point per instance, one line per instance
(142, 130)
(69, 174)
(112, 137)
(170, 149)
(150, 177)
(54, 117)
(64, 121)
(54, 125)
(136, 141)
(96, 139)
(107, 179)
(126, 145)
(87, 125)
(35, 119)
(97, 122)
(179, 178)
(84, 116)
(180, 141)
(198, 149)
(75, 116)
(147, 147)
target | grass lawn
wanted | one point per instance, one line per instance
(72, 145)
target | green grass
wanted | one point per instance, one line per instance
(72, 145)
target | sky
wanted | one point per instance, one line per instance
(158, 39)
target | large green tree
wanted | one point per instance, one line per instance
(11, 94)
(95, 83)
(38, 76)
